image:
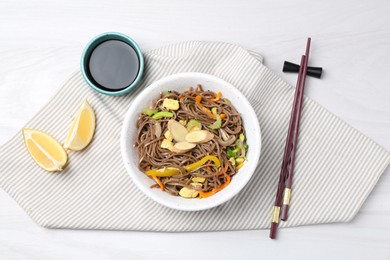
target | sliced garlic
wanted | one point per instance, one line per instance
(182, 147)
(199, 137)
(188, 193)
(177, 130)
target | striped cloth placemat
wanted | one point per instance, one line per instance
(335, 165)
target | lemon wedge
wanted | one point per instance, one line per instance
(82, 129)
(46, 151)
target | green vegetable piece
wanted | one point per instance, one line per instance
(217, 124)
(193, 125)
(162, 114)
(242, 137)
(150, 111)
(240, 160)
(233, 153)
(214, 110)
(225, 136)
(246, 147)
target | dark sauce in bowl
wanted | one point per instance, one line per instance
(113, 65)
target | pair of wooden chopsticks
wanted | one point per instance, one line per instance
(283, 194)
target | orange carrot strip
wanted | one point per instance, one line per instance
(217, 98)
(205, 109)
(223, 116)
(226, 168)
(203, 194)
(158, 181)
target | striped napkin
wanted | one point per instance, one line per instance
(336, 166)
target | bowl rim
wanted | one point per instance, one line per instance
(124, 142)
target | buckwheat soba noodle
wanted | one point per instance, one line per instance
(192, 143)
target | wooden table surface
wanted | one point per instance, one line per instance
(40, 45)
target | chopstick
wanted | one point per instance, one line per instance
(285, 181)
(288, 183)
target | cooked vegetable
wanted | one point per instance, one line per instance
(240, 160)
(206, 110)
(168, 135)
(224, 135)
(198, 179)
(171, 104)
(218, 97)
(196, 165)
(163, 172)
(170, 171)
(188, 193)
(157, 129)
(162, 114)
(150, 111)
(197, 185)
(233, 153)
(240, 166)
(217, 124)
(193, 125)
(228, 142)
(167, 144)
(232, 161)
(203, 194)
(158, 181)
(239, 150)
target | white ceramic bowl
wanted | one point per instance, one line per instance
(181, 82)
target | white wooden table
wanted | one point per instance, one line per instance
(41, 43)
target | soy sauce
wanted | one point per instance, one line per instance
(113, 65)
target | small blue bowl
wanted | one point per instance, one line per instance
(92, 45)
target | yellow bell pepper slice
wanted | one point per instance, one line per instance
(171, 171)
(163, 172)
(193, 166)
